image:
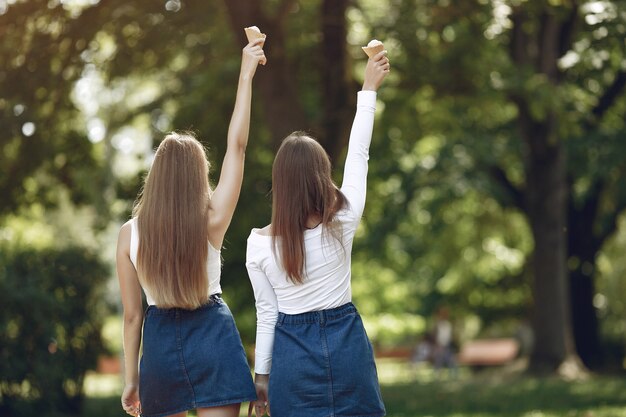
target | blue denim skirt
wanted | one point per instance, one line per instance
(323, 366)
(192, 359)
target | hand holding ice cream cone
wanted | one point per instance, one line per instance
(253, 33)
(378, 65)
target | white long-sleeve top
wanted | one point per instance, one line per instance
(327, 262)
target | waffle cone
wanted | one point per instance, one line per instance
(373, 50)
(253, 35)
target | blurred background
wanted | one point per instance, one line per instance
(491, 261)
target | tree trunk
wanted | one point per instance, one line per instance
(546, 189)
(339, 97)
(276, 82)
(583, 247)
(584, 318)
(546, 199)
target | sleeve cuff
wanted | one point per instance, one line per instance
(263, 365)
(366, 98)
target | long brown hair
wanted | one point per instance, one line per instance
(302, 186)
(172, 212)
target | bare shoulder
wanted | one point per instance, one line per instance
(123, 240)
(126, 228)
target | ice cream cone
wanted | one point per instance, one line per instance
(253, 33)
(373, 47)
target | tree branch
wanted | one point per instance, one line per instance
(610, 95)
(568, 28)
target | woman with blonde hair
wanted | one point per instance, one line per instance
(313, 357)
(192, 354)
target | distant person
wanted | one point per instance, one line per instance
(443, 350)
(424, 349)
(525, 338)
(312, 353)
(192, 353)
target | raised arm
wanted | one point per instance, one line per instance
(355, 171)
(226, 194)
(133, 321)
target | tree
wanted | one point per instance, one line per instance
(486, 101)
(132, 47)
(280, 85)
(533, 60)
(550, 182)
(40, 60)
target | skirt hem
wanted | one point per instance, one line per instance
(204, 405)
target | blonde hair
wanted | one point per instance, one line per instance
(172, 213)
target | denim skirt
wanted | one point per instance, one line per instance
(323, 366)
(192, 359)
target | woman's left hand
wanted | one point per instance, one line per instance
(261, 406)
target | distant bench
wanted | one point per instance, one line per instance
(395, 353)
(479, 352)
(488, 352)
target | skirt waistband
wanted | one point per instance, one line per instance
(321, 316)
(213, 300)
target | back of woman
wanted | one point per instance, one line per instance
(313, 357)
(192, 355)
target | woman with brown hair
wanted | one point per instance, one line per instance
(312, 356)
(192, 354)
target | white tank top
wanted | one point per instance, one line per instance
(213, 265)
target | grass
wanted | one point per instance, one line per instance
(512, 397)
(416, 391)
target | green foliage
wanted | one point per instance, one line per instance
(610, 300)
(39, 64)
(440, 225)
(52, 311)
(446, 210)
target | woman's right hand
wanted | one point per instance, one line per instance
(376, 70)
(252, 55)
(130, 400)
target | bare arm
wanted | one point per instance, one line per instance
(226, 194)
(133, 320)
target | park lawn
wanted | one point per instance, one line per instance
(523, 396)
(415, 392)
